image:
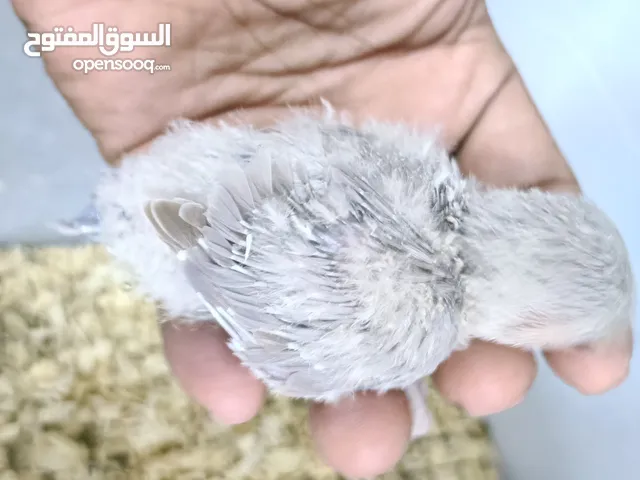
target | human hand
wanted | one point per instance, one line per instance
(427, 62)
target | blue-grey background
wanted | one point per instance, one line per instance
(581, 60)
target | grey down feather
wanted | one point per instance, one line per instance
(341, 259)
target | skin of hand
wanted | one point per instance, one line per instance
(425, 62)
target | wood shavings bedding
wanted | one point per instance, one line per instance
(85, 394)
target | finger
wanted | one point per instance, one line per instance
(363, 436)
(486, 378)
(210, 373)
(593, 369)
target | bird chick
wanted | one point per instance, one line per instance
(342, 259)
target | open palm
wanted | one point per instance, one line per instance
(426, 62)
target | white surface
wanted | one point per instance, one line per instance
(581, 60)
